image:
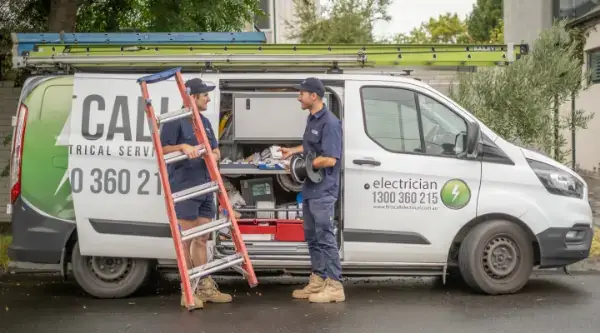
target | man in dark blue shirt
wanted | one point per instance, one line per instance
(179, 135)
(323, 135)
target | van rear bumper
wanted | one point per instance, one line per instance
(37, 237)
(564, 246)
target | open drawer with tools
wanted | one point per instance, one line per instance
(264, 189)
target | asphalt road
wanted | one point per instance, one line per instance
(550, 303)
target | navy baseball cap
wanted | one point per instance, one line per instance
(313, 85)
(196, 86)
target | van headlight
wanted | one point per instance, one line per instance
(557, 181)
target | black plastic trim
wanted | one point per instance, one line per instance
(492, 153)
(557, 251)
(131, 228)
(37, 238)
(382, 236)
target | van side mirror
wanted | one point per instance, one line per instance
(467, 142)
(473, 138)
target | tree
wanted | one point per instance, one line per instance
(485, 19)
(343, 21)
(518, 101)
(496, 35)
(140, 15)
(446, 28)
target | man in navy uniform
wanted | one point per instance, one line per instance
(323, 135)
(179, 135)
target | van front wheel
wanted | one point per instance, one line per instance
(106, 277)
(496, 257)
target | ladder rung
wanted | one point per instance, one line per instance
(216, 265)
(205, 229)
(173, 115)
(180, 156)
(195, 191)
(239, 269)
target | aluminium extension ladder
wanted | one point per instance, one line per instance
(239, 261)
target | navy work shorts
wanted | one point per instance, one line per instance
(191, 209)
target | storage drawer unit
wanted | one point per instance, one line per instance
(268, 116)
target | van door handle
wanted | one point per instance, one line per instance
(363, 162)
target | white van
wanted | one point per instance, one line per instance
(425, 189)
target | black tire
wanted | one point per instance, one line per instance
(513, 260)
(96, 279)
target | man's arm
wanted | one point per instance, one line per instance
(297, 149)
(168, 137)
(331, 144)
(212, 139)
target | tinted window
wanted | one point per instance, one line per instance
(392, 120)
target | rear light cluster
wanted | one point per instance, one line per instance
(16, 153)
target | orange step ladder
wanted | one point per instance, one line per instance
(238, 261)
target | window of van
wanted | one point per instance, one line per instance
(392, 120)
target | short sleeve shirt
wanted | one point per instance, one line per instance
(323, 135)
(187, 173)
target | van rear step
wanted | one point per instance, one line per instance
(254, 248)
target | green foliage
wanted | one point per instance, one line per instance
(343, 21)
(518, 101)
(199, 15)
(139, 15)
(484, 20)
(446, 28)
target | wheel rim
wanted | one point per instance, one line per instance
(500, 257)
(108, 269)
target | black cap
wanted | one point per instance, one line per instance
(196, 86)
(313, 85)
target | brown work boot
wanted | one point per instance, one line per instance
(198, 304)
(315, 285)
(209, 292)
(333, 292)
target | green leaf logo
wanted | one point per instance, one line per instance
(455, 194)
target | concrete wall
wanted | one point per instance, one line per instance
(9, 96)
(524, 20)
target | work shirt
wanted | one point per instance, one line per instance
(323, 135)
(190, 172)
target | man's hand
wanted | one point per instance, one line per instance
(287, 152)
(190, 151)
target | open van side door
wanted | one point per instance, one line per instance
(113, 171)
(409, 187)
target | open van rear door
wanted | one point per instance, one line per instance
(408, 188)
(113, 172)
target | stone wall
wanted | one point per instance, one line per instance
(9, 97)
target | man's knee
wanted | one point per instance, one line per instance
(199, 242)
(322, 214)
(188, 223)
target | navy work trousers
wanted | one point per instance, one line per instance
(320, 236)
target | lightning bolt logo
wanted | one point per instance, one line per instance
(63, 140)
(455, 192)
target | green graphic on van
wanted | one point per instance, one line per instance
(49, 191)
(455, 194)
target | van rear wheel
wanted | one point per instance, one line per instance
(106, 277)
(496, 257)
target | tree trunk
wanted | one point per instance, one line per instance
(63, 15)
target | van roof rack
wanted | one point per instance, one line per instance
(224, 51)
